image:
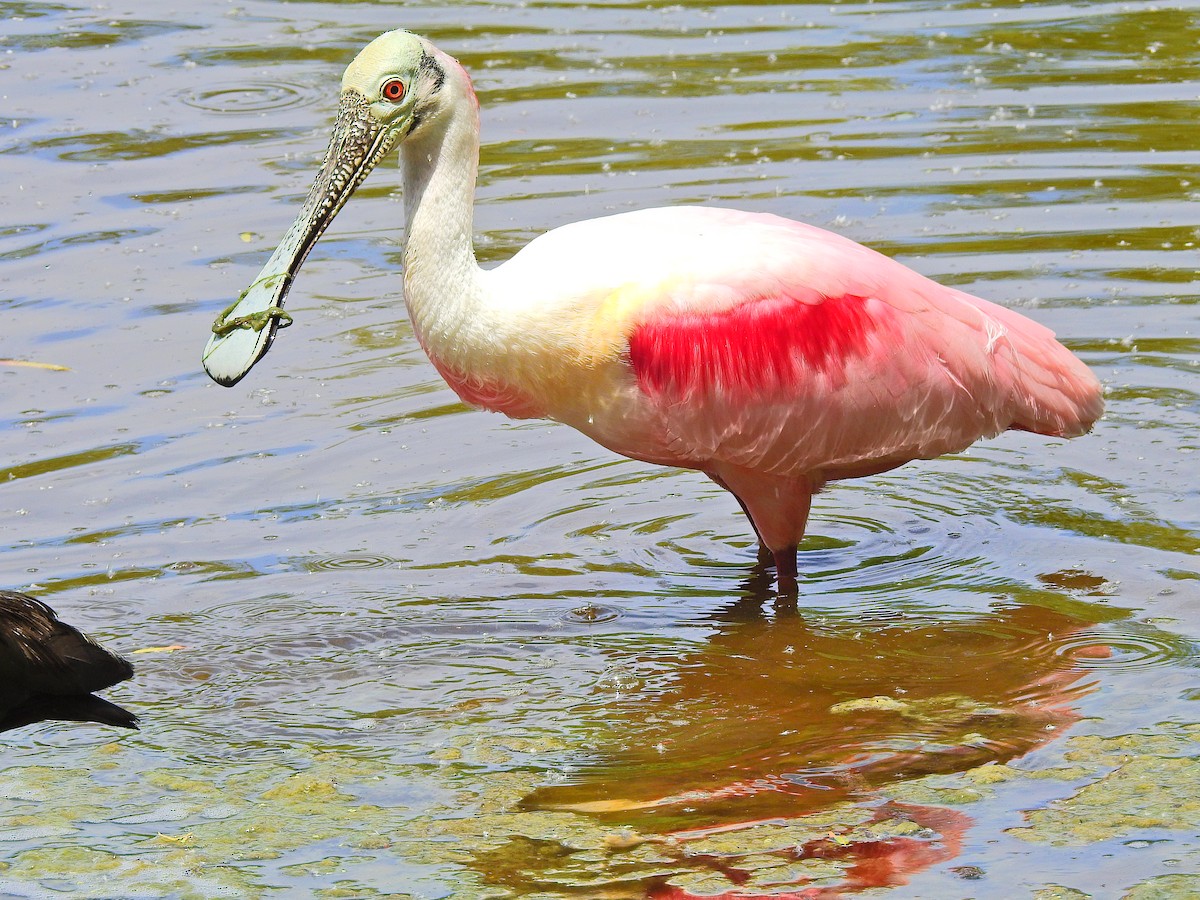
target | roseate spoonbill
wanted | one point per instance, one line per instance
(770, 355)
(48, 670)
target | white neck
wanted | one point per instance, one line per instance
(442, 286)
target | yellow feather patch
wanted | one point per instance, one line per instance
(617, 314)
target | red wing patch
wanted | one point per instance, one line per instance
(774, 342)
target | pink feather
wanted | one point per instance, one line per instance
(800, 357)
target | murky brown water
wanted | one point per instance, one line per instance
(388, 683)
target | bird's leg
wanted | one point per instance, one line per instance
(777, 507)
(765, 556)
(786, 569)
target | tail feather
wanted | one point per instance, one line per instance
(1056, 393)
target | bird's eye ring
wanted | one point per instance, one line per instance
(393, 90)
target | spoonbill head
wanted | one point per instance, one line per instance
(393, 85)
(770, 355)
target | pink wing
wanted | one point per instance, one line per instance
(836, 361)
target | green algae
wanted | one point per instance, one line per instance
(772, 872)
(767, 837)
(1144, 792)
(976, 784)
(1166, 887)
(306, 793)
(174, 780)
(1170, 739)
(881, 703)
(1058, 892)
(166, 874)
(210, 830)
(544, 851)
(1140, 781)
(1133, 782)
(226, 828)
(473, 749)
(353, 890)
(703, 884)
(761, 875)
(942, 711)
(201, 827)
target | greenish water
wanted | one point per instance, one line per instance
(989, 684)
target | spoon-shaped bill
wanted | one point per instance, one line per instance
(244, 332)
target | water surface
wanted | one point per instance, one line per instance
(430, 652)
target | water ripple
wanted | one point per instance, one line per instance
(355, 561)
(1129, 647)
(591, 614)
(249, 97)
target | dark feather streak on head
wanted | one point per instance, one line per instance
(430, 72)
(431, 67)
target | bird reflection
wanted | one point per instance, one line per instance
(776, 717)
(49, 670)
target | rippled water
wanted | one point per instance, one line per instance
(435, 653)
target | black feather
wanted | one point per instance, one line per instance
(49, 670)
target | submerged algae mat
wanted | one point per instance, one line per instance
(803, 810)
(212, 831)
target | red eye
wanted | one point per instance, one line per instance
(393, 90)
